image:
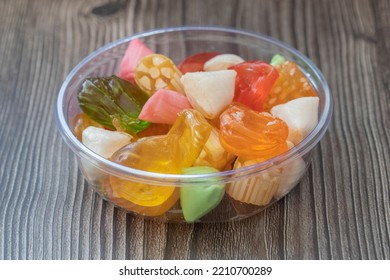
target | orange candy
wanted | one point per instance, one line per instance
(252, 135)
(291, 84)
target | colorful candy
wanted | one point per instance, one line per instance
(209, 92)
(80, 122)
(114, 103)
(195, 63)
(213, 154)
(257, 190)
(196, 201)
(134, 53)
(222, 113)
(291, 84)
(154, 129)
(300, 115)
(222, 62)
(157, 71)
(253, 83)
(252, 135)
(104, 143)
(167, 154)
(164, 106)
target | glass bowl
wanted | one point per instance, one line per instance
(269, 181)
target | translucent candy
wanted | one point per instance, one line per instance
(157, 71)
(167, 154)
(80, 122)
(213, 154)
(253, 83)
(195, 62)
(155, 129)
(291, 84)
(250, 134)
(114, 103)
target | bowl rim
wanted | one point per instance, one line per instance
(116, 169)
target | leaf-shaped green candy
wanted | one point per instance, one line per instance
(113, 102)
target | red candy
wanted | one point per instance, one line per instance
(253, 83)
(195, 63)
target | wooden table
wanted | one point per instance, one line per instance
(341, 209)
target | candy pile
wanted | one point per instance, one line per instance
(212, 112)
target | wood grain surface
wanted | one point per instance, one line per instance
(340, 210)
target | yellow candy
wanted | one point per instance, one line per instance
(80, 122)
(157, 71)
(167, 154)
(213, 154)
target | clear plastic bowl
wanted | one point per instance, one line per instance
(270, 180)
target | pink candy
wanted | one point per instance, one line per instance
(164, 106)
(134, 53)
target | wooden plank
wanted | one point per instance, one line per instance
(340, 210)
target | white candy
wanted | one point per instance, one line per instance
(104, 142)
(300, 115)
(209, 92)
(222, 62)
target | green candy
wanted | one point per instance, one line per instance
(277, 59)
(110, 99)
(197, 201)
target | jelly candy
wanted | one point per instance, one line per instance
(164, 106)
(253, 83)
(154, 129)
(291, 84)
(209, 92)
(167, 154)
(196, 201)
(222, 62)
(157, 71)
(258, 190)
(300, 115)
(80, 122)
(250, 134)
(244, 113)
(172, 152)
(114, 103)
(195, 63)
(152, 211)
(134, 53)
(213, 154)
